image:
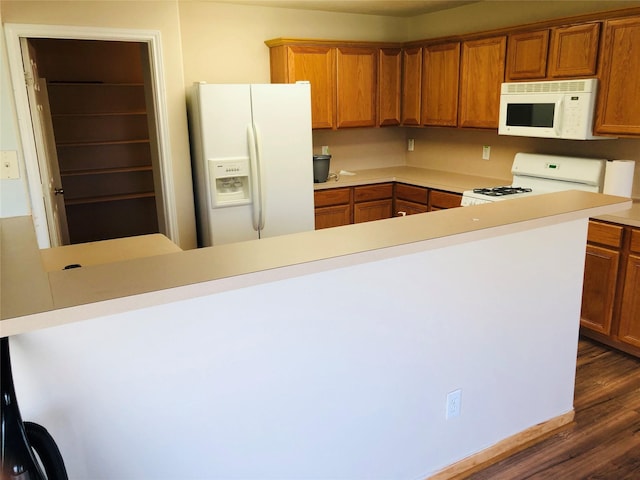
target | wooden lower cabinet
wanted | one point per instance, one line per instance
(372, 202)
(365, 203)
(439, 200)
(409, 208)
(611, 291)
(369, 211)
(629, 331)
(599, 288)
(411, 199)
(333, 216)
(332, 207)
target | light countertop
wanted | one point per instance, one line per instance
(33, 298)
(106, 251)
(451, 182)
(421, 177)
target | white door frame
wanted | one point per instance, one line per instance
(13, 33)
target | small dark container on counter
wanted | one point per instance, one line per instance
(321, 168)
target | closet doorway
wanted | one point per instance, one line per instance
(95, 140)
(100, 157)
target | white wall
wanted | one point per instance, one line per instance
(338, 374)
(14, 196)
(159, 16)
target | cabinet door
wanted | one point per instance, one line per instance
(629, 331)
(369, 211)
(409, 208)
(440, 80)
(573, 51)
(389, 86)
(411, 82)
(334, 216)
(357, 86)
(527, 55)
(316, 65)
(619, 96)
(482, 72)
(598, 291)
(439, 200)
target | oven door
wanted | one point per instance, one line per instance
(531, 115)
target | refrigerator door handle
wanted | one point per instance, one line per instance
(261, 185)
(255, 179)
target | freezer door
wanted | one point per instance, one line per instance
(282, 124)
(225, 116)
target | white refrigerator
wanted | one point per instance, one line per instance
(252, 160)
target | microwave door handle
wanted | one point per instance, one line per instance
(557, 122)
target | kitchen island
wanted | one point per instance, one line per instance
(320, 354)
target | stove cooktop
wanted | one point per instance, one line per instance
(494, 194)
(501, 191)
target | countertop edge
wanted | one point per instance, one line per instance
(85, 293)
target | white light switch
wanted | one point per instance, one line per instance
(9, 165)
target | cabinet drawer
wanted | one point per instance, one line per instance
(331, 196)
(635, 241)
(373, 192)
(411, 193)
(605, 234)
(445, 199)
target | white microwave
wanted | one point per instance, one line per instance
(550, 109)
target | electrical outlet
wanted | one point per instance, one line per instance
(486, 152)
(454, 400)
(411, 143)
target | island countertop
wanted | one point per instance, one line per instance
(33, 298)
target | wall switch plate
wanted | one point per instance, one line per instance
(486, 152)
(454, 400)
(411, 143)
(9, 165)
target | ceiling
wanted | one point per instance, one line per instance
(393, 8)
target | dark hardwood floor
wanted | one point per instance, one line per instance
(604, 441)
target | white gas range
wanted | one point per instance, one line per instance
(535, 174)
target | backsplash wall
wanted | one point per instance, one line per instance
(461, 151)
(362, 148)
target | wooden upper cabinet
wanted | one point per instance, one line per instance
(560, 52)
(440, 80)
(482, 73)
(618, 109)
(389, 85)
(315, 64)
(573, 51)
(411, 82)
(527, 55)
(357, 86)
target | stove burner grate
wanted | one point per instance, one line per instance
(501, 191)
